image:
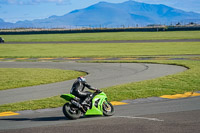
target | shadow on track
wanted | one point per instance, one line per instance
(58, 118)
(36, 119)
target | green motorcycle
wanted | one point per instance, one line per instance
(97, 106)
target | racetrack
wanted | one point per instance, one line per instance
(165, 116)
(100, 75)
(158, 116)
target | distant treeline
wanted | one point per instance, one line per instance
(93, 30)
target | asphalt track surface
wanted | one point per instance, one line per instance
(182, 115)
(167, 116)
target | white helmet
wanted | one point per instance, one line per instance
(82, 79)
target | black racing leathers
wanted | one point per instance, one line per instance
(78, 90)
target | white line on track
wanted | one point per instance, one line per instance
(144, 118)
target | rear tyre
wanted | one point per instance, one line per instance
(71, 112)
(108, 109)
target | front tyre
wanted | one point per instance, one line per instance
(70, 112)
(108, 109)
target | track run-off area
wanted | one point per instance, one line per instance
(100, 75)
(142, 116)
(151, 115)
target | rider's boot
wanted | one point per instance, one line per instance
(82, 108)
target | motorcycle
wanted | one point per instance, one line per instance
(97, 106)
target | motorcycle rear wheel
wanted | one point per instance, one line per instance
(70, 112)
(108, 109)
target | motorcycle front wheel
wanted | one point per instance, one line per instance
(108, 109)
(70, 112)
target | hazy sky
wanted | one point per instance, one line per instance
(15, 10)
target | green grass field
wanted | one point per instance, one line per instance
(104, 36)
(99, 49)
(179, 83)
(21, 77)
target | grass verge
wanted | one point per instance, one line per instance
(22, 77)
(178, 83)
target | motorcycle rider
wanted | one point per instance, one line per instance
(78, 90)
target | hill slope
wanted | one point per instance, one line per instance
(105, 14)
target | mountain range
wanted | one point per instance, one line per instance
(104, 14)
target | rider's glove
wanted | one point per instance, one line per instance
(97, 90)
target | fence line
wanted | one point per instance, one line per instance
(92, 30)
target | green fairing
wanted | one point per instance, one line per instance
(97, 110)
(67, 97)
(94, 110)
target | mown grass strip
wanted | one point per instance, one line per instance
(104, 36)
(172, 84)
(22, 77)
(98, 50)
(51, 102)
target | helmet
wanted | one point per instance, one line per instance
(82, 79)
